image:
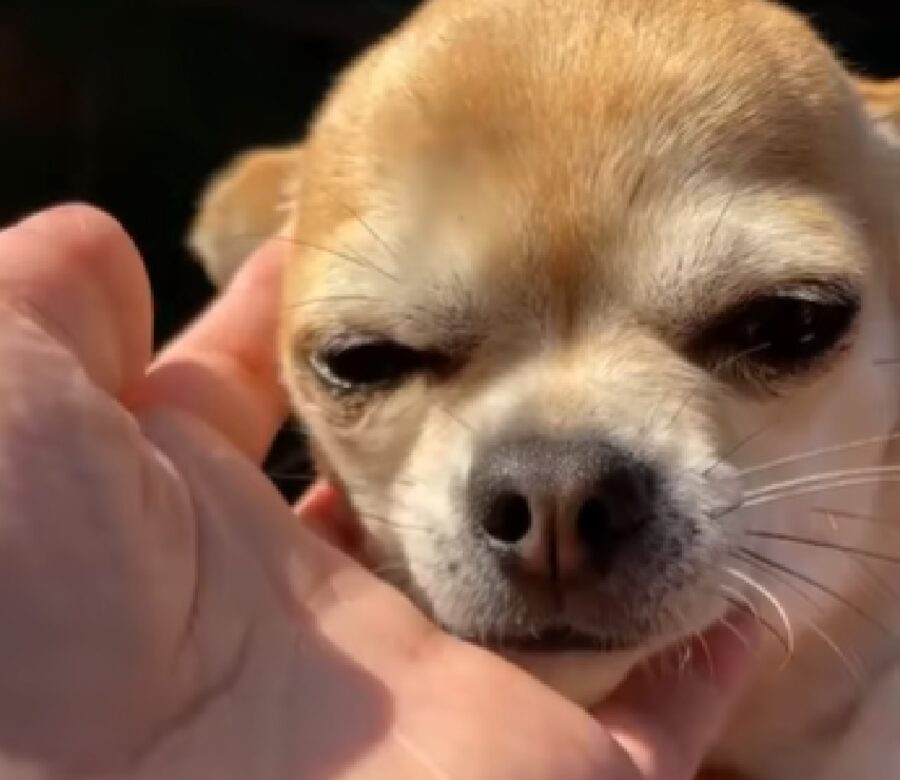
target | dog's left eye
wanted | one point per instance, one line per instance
(781, 332)
(362, 363)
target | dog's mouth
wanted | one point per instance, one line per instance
(556, 640)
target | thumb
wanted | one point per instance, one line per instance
(667, 718)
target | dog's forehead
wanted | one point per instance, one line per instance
(560, 126)
(550, 133)
(569, 110)
(592, 91)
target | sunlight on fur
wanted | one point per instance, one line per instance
(591, 312)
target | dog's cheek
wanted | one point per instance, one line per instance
(428, 510)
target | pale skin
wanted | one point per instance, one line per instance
(166, 614)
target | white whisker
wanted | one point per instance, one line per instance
(773, 600)
(809, 489)
(736, 632)
(850, 445)
(707, 653)
(853, 669)
(822, 544)
(771, 566)
(737, 595)
(821, 477)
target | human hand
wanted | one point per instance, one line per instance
(166, 615)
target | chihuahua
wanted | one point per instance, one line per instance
(591, 311)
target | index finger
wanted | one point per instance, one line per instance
(223, 369)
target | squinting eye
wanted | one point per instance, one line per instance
(364, 362)
(782, 332)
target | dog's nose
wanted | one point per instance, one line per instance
(560, 508)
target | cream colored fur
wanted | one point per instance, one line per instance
(563, 187)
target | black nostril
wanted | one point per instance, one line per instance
(559, 507)
(594, 524)
(509, 518)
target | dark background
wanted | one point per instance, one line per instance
(131, 104)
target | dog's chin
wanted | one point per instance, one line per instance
(584, 677)
(583, 668)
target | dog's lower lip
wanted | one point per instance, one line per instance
(556, 640)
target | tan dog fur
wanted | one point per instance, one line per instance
(560, 191)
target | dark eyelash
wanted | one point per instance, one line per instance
(364, 363)
(779, 333)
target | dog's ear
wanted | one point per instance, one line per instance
(244, 205)
(882, 99)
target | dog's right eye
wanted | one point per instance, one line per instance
(361, 363)
(780, 333)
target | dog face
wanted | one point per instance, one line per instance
(566, 279)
